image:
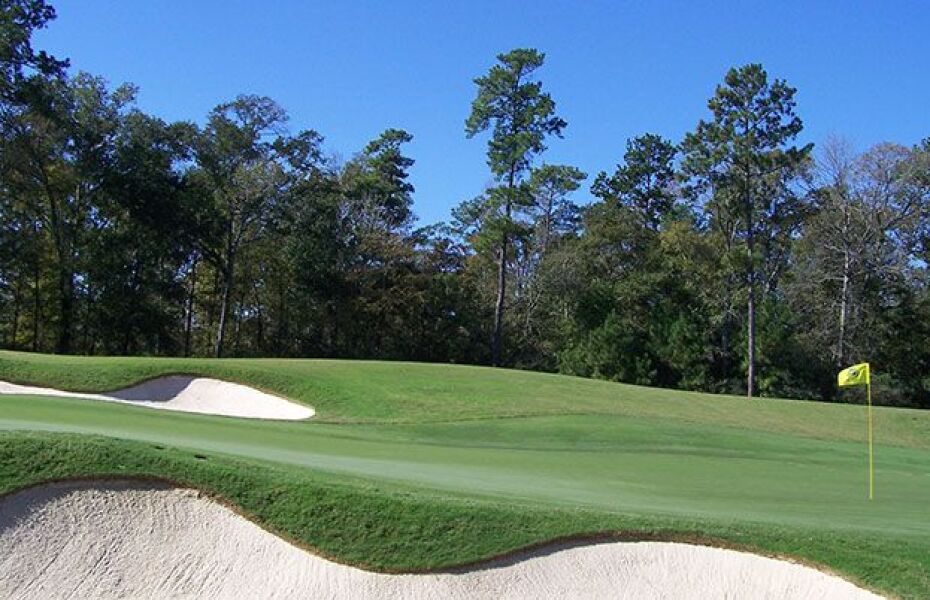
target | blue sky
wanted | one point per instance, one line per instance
(616, 69)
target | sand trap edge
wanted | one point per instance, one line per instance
(503, 559)
(110, 395)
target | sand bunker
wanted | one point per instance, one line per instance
(123, 539)
(188, 394)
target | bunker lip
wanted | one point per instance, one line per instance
(76, 522)
(187, 393)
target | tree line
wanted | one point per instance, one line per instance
(733, 260)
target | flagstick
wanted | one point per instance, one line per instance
(868, 387)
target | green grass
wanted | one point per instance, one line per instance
(412, 466)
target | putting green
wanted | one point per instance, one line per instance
(662, 460)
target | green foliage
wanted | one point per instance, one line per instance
(22, 68)
(378, 180)
(742, 167)
(123, 234)
(645, 180)
(552, 213)
(520, 114)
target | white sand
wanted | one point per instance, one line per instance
(188, 394)
(122, 539)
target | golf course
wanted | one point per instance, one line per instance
(468, 301)
(417, 467)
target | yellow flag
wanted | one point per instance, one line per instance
(854, 375)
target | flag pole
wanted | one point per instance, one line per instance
(868, 387)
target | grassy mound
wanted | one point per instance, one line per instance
(411, 466)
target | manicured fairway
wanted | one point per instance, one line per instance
(572, 456)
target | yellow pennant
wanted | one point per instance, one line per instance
(854, 375)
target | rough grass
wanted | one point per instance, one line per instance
(411, 466)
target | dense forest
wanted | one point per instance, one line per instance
(735, 259)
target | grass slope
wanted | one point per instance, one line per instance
(409, 468)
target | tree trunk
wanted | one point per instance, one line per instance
(224, 308)
(751, 350)
(88, 316)
(280, 323)
(751, 305)
(336, 331)
(37, 295)
(127, 341)
(844, 299)
(499, 304)
(238, 328)
(497, 340)
(15, 324)
(844, 310)
(547, 228)
(64, 247)
(725, 327)
(260, 325)
(188, 325)
(66, 309)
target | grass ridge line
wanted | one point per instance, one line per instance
(500, 560)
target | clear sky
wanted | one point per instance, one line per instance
(616, 69)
